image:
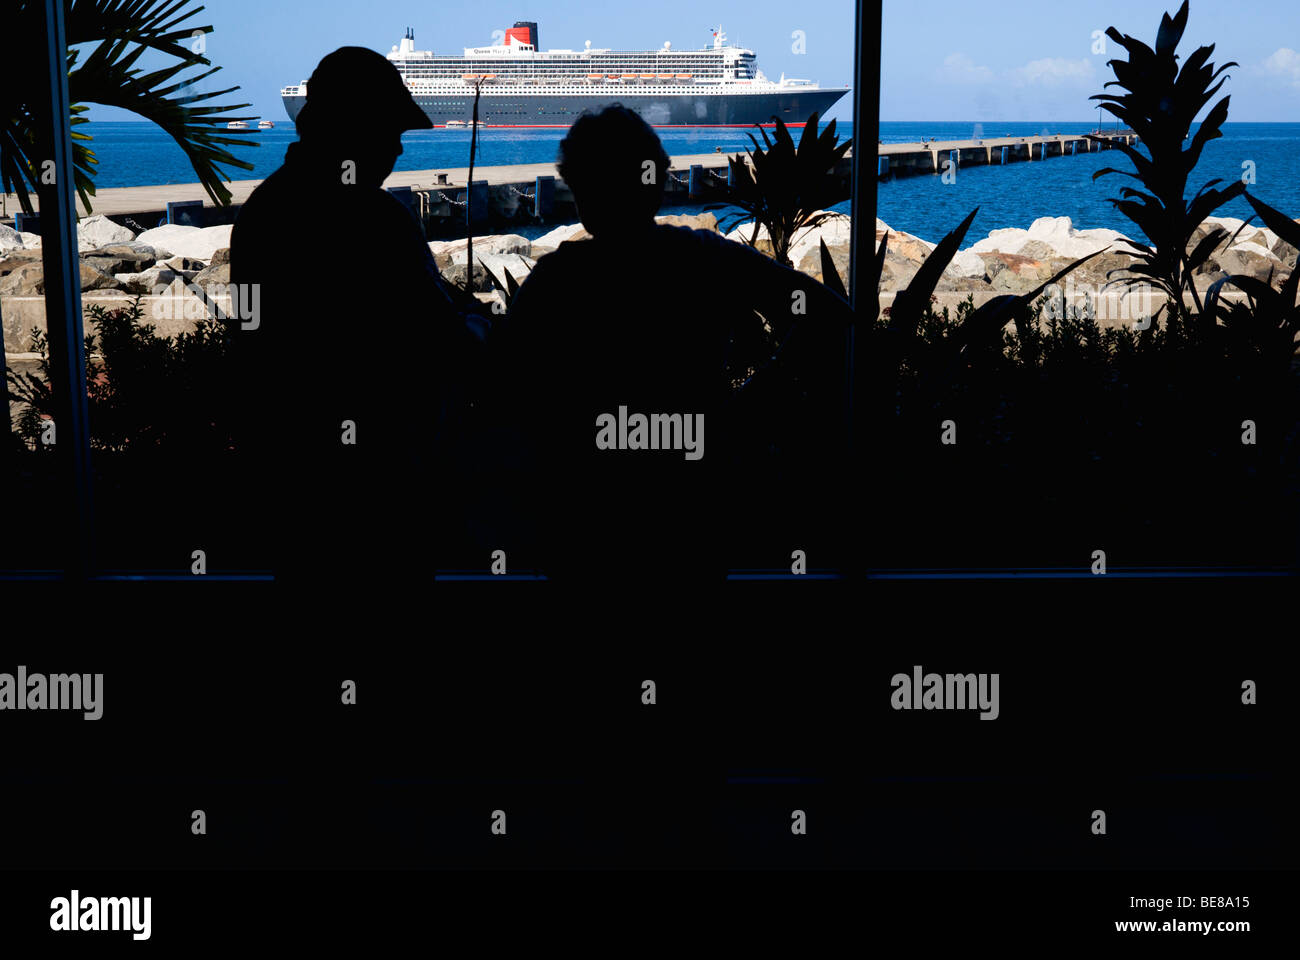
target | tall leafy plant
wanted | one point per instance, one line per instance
(121, 31)
(785, 188)
(1159, 103)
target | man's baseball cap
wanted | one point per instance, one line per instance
(355, 86)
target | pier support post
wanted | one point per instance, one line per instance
(695, 181)
(1004, 156)
(188, 213)
(27, 222)
(478, 196)
(404, 196)
(882, 166)
(543, 196)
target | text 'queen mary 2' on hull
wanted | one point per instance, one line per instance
(524, 86)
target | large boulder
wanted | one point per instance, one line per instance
(28, 280)
(1013, 273)
(129, 257)
(198, 243)
(455, 275)
(1247, 260)
(18, 258)
(185, 263)
(552, 239)
(1050, 236)
(1244, 251)
(220, 257)
(499, 264)
(10, 239)
(698, 221)
(811, 262)
(444, 251)
(835, 230)
(743, 232)
(1037, 250)
(905, 253)
(1095, 271)
(99, 231)
(904, 246)
(152, 280)
(968, 265)
(215, 275)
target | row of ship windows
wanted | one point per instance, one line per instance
(520, 71)
(578, 64)
(494, 107)
(497, 114)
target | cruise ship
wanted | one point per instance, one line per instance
(525, 86)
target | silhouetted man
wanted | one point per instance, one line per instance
(619, 356)
(345, 373)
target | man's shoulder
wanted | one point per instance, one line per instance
(703, 240)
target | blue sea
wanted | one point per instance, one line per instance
(140, 154)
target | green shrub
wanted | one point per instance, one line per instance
(143, 391)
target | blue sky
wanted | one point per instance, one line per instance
(262, 45)
(1033, 59)
(941, 59)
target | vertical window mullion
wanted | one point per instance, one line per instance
(63, 301)
(862, 236)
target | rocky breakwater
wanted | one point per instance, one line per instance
(499, 255)
(116, 265)
(1016, 261)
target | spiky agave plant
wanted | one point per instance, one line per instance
(122, 31)
(1159, 104)
(783, 187)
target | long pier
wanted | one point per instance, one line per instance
(934, 156)
(435, 195)
(533, 192)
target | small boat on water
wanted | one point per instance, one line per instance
(237, 125)
(265, 125)
(463, 124)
